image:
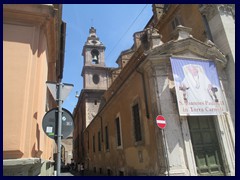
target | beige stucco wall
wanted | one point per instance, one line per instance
(25, 74)
(29, 60)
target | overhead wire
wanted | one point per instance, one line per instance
(126, 31)
(101, 81)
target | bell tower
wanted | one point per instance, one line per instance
(93, 50)
(94, 73)
(94, 70)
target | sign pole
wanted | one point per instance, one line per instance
(59, 92)
(161, 123)
(59, 136)
(166, 152)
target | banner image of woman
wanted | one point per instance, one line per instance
(197, 87)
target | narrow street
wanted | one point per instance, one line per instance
(75, 173)
(67, 174)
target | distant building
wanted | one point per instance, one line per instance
(67, 147)
(121, 138)
(96, 78)
(33, 53)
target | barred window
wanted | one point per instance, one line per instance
(137, 125)
(106, 138)
(93, 143)
(118, 132)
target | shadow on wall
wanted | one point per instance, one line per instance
(21, 34)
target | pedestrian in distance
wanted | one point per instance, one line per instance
(82, 169)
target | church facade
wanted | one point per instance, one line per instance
(115, 119)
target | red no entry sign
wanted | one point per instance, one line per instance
(161, 122)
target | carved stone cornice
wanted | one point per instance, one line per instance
(185, 48)
(183, 32)
(150, 39)
(227, 9)
(28, 14)
(208, 10)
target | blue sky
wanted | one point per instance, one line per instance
(115, 25)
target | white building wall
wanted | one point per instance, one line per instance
(179, 153)
(179, 148)
(222, 26)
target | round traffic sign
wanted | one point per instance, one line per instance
(161, 122)
(50, 123)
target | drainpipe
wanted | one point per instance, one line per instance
(145, 93)
(207, 28)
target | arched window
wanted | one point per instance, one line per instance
(95, 58)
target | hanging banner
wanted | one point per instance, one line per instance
(197, 87)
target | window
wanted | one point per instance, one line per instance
(95, 79)
(99, 141)
(137, 125)
(106, 138)
(118, 131)
(175, 23)
(93, 143)
(207, 28)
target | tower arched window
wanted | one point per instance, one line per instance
(95, 56)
